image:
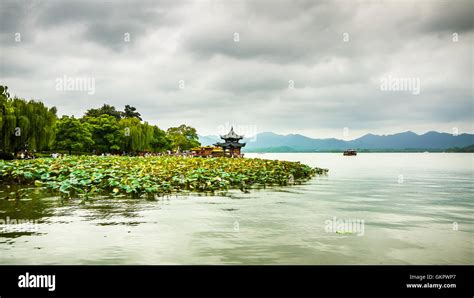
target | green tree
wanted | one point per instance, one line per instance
(160, 141)
(105, 132)
(131, 112)
(7, 121)
(183, 137)
(138, 136)
(25, 124)
(104, 110)
(33, 126)
(133, 135)
(73, 135)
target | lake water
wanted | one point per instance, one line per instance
(416, 208)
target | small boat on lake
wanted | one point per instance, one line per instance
(350, 152)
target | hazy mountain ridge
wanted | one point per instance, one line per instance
(271, 142)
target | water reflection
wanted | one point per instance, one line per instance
(27, 208)
(405, 223)
(20, 218)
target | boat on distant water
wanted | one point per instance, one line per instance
(350, 152)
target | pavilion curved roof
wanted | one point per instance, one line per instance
(232, 135)
(230, 144)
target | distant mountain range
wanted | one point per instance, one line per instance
(405, 141)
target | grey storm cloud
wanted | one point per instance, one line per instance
(183, 64)
(106, 22)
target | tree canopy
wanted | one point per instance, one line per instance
(30, 125)
(25, 124)
(104, 110)
(131, 112)
(183, 137)
(73, 135)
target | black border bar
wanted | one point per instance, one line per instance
(289, 281)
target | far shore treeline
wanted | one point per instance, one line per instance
(33, 127)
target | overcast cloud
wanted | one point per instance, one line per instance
(335, 53)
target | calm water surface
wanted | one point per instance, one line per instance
(417, 209)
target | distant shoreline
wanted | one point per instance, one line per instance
(401, 142)
(357, 152)
(460, 150)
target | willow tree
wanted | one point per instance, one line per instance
(7, 121)
(25, 124)
(138, 136)
(131, 134)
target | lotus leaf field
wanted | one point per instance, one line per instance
(89, 176)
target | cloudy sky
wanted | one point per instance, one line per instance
(308, 67)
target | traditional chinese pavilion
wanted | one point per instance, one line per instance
(231, 146)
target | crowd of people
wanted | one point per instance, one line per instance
(25, 154)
